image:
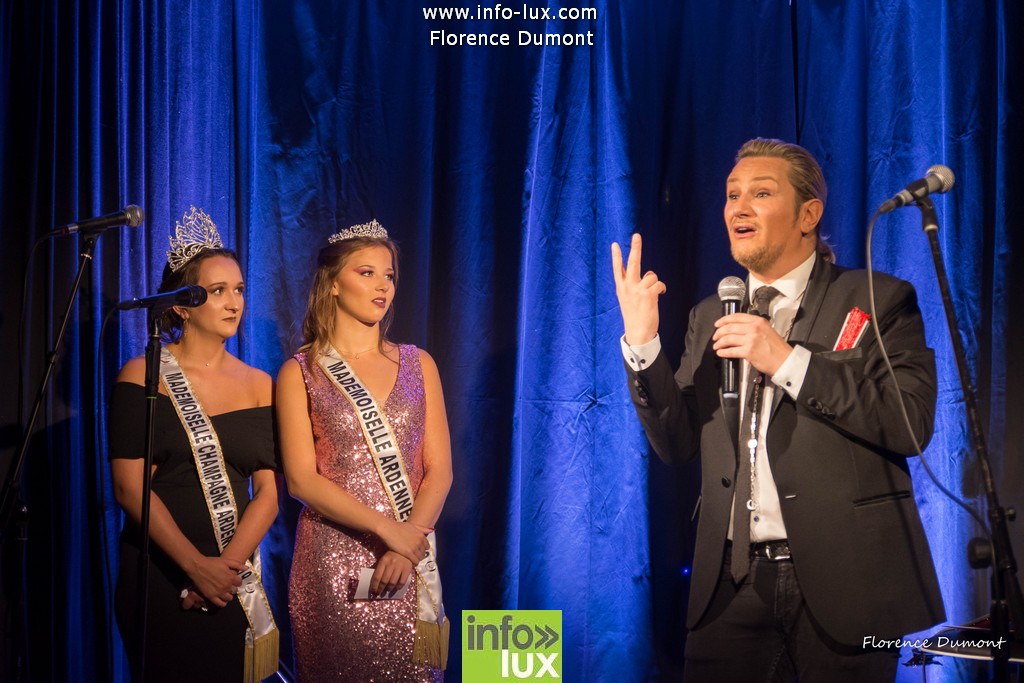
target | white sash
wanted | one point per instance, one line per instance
(431, 646)
(261, 638)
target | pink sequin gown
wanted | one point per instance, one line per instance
(338, 638)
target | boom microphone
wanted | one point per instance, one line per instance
(188, 296)
(131, 215)
(938, 179)
(731, 291)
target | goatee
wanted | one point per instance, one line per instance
(758, 259)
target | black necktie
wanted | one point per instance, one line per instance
(740, 563)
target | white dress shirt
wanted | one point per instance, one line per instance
(789, 377)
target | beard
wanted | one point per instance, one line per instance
(758, 259)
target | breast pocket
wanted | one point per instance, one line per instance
(845, 354)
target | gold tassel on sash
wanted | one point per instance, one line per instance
(261, 651)
(261, 657)
(431, 644)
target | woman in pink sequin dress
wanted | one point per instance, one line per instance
(348, 523)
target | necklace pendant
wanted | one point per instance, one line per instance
(750, 505)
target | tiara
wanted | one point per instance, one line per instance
(193, 233)
(372, 229)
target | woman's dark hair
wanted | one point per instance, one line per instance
(170, 322)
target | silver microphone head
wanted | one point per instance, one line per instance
(731, 288)
(945, 176)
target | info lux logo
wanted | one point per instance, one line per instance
(504, 645)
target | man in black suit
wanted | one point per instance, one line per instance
(827, 565)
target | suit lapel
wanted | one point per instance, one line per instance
(817, 287)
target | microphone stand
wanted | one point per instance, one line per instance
(12, 486)
(1007, 603)
(152, 392)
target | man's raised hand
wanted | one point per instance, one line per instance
(638, 296)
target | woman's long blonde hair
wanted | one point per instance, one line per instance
(318, 323)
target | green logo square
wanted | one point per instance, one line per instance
(506, 645)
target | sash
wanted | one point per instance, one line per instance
(261, 638)
(432, 626)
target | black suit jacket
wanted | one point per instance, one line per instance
(837, 454)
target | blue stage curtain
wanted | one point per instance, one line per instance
(504, 173)
(912, 85)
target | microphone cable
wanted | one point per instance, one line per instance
(104, 474)
(899, 394)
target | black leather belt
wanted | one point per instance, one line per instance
(774, 551)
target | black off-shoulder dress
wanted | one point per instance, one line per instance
(184, 645)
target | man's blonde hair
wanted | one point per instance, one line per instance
(804, 175)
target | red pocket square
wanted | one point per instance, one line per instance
(853, 329)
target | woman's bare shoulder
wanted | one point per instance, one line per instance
(134, 371)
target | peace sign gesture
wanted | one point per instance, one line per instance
(638, 296)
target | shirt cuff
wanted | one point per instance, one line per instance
(640, 357)
(791, 374)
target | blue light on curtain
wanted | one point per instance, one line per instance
(908, 105)
(567, 447)
(504, 173)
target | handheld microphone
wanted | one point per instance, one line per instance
(131, 215)
(731, 291)
(938, 179)
(188, 296)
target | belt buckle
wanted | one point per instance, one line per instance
(784, 554)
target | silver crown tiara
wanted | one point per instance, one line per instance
(192, 234)
(372, 229)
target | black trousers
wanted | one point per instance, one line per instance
(762, 631)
